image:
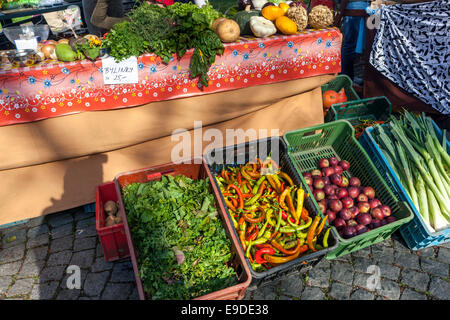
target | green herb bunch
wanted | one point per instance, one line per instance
(171, 221)
(168, 31)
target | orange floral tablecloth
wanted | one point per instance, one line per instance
(55, 89)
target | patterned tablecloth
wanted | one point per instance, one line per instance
(56, 89)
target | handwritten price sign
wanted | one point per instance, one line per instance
(123, 72)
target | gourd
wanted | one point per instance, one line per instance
(286, 25)
(243, 20)
(228, 30)
(299, 15)
(65, 53)
(261, 27)
(259, 4)
(320, 17)
(272, 12)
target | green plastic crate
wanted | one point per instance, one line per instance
(306, 146)
(341, 81)
(376, 108)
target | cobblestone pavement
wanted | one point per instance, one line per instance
(34, 258)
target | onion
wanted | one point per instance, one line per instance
(364, 219)
(47, 50)
(323, 163)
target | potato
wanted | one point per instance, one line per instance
(228, 30)
(110, 221)
(110, 208)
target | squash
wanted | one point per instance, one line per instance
(272, 12)
(284, 6)
(243, 19)
(228, 30)
(261, 27)
(286, 25)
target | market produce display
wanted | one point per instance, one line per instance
(169, 31)
(353, 209)
(183, 247)
(267, 211)
(422, 164)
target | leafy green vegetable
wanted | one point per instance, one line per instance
(174, 220)
(168, 31)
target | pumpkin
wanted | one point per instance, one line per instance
(243, 20)
(299, 15)
(272, 12)
(286, 25)
(228, 30)
(261, 27)
(320, 17)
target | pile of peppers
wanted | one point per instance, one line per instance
(267, 211)
(364, 123)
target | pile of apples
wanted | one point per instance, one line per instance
(353, 209)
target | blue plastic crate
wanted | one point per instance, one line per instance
(90, 207)
(415, 233)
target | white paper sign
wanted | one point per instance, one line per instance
(122, 72)
(26, 44)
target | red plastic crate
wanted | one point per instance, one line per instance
(113, 238)
(193, 171)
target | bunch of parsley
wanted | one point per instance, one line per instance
(176, 216)
(168, 31)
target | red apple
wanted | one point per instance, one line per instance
(354, 211)
(336, 179)
(323, 163)
(316, 173)
(347, 202)
(345, 214)
(344, 164)
(363, 207)
(353, 192)
(333, 161)
(374, 203)
(338, 169)
(362, 198)
(369, 192)
(331, 215)
(341, 193)
(329, 190)
(319, 194)
(344, 182)
(335, 205)
(354, 182)
(376, 213)
(328, 171)
(318, 183)
(386, 211)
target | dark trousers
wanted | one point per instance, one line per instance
(114, 10)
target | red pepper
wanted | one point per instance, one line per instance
(239, 193)
(285, 216)
(253, 233)
(234, 202)
(260, 252)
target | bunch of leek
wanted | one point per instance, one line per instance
(422, 164)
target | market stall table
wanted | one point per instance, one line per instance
(270, 83)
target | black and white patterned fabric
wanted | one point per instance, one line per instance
(412, 49)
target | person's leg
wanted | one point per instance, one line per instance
(88, 8)
(350, 29)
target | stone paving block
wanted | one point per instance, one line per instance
(122, 272)
(267, 292)
(383, 254)
(440, 288)
(34, 222)
(83, 259)
(101, 265)
(68, 282)
(117, 291)
(61, 231)
(435, 268)
(365, 281)
(36, 254)
(85, 243)
(427, 252)
(38, 230)
(94, 283)
(284, 298)
(312, 293)
(342, 272)
(364, 252)
(12, 254)
(389, 271)
(14, 238)
(340, 291)
(99, 250)
(292, 285)
(389, 289)
(86, 223)
(5, 282)
(86, 232)
(407, 260)
(44, 291)
(415, 279)
(20, 287)
(59, 219)
(346, 258)
(135, 295)
(59, 258)
(61, 244)
(38, 241)
(361, 264)
(51, 274)
(31, 269)
(68, 294)
(319, 277)
(409, 294)
(9, 269)
(444, 255)
(360, 294)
